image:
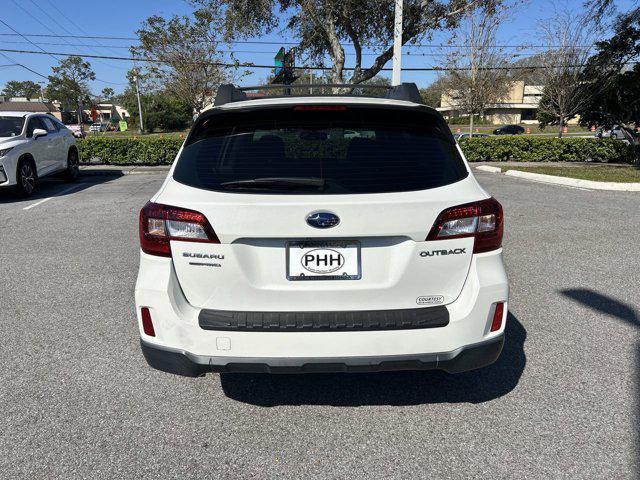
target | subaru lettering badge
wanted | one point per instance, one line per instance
(322, 220)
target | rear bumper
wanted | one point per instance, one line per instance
(187, 342)
(180, 362)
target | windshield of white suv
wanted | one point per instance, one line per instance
(320, 150)
(11, 126)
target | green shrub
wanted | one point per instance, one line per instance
(547, 149)
(163, 150)
(130, 150)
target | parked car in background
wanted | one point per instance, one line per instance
(307, 234)
(462, 136)
(509, 130)
(33, 146)
(76, 130)
(617, 132)
(98, 127)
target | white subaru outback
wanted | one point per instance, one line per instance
(320, 233)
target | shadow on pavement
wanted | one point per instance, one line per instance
(604, 304)
(387, 388)
(620, 310)
(53, 187)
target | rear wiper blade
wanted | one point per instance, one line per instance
(276, 182)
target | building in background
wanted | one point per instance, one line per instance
(107, 112)
(519, 106)
(21, 104)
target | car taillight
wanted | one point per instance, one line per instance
(159, 224)
(482, 220)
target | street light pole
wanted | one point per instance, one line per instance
(139, 104)
(397, 44)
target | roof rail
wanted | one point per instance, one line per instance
(228, 93)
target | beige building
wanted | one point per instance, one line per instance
(520, 105)
(18, 104)
(107, 111)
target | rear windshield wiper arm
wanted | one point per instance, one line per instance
(276, 182)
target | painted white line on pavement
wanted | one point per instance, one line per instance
(40, 202)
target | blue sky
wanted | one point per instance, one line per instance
(121, 18)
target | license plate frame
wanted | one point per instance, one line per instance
(308, 245)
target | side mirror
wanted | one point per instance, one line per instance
(38, 132)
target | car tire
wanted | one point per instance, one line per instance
(72, 172)
(26, 177)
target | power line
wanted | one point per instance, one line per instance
(276, 42)
(66, 30)
(52, 55)
(54, 33)
(257, 52)
(23, 66)
(32, 43)
(251, 65)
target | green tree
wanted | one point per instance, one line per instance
(322, 27)
(160, 110)
(616, 76)
(183, 55)
(107, 93)
(432, 94)
(68, 84)
(16, 88)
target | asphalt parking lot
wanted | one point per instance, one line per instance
(78, 400)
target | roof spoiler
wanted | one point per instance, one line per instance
(228, 93)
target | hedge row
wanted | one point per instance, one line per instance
(159, 150)
(130, 150)
(548, 149)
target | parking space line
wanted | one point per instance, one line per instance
(40, 202)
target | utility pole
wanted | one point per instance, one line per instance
(135, 79)
(397, 45)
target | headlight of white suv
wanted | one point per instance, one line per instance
(4, 151)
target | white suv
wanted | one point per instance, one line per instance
(33, 146)
(306, 234)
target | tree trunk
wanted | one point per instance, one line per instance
(471, 125)
(561, 126)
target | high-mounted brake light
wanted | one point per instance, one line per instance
(302, 108)
(482, 220)
(159, 224)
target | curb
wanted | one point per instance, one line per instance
(487, 168)
(575, 182)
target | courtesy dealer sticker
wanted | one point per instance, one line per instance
(430, 300)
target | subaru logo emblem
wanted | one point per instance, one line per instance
(322, 220)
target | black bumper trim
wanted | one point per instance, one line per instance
(346, 321)
(183, 363)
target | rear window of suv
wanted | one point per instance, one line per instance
(317, 149)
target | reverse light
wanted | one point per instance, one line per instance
(496, 323)
(159, 224)
(147, 323)
(482, 220)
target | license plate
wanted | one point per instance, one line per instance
(327, 260)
